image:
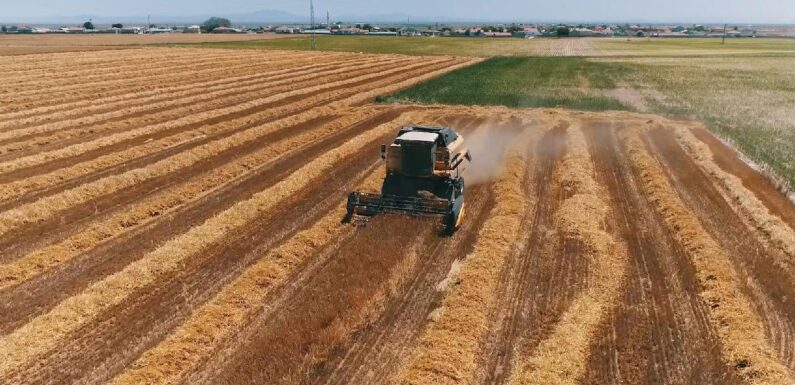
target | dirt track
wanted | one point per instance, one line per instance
(182, 225)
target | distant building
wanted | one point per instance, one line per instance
(73, 29)
(583, 32)
(315, 31)
(226, 30)
(383, 33)
(193, 29)
(351, 31)
(497, 34)
(159, 30)
(285, 29)
(130, 30)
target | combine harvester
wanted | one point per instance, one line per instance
(424, 168)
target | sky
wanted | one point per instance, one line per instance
(759, 11)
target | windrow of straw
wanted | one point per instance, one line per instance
(44, 333)
(150, 75)
(773, 229)
(47, 207)
(156, 207)
(90, 74)
(82, 61)
(215, 324)
(77, 62)
(125, 61)
(107, 72)
(563, 356)
(208, 89)
(41, 181)
(198, 117)
(276, 89)
(740, 330)
(447, 349)
(178, 81)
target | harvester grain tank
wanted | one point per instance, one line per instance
(424, 177)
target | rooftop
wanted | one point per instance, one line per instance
(418, 136)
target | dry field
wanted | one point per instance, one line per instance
(176, 219)
(51, 43)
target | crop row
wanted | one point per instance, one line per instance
(183, 102)
(447, 350)
(44, 332)
(206, 114)
(162, 112)
(81, 61)
(562, 357)
(93, 74)
(199, 83)
(141, 213)
(23, 100)
(770, 226)
(744, 346)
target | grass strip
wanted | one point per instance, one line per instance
(740, 330)
(562, 358)
(523, 82)
(43, 333)
(447, 349)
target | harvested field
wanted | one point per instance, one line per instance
(181, 224)
(53, 43)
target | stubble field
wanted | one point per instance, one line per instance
(176, 219)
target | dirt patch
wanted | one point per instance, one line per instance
(629, 97)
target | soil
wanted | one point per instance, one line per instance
(355, 308)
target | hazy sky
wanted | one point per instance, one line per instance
(772, 11)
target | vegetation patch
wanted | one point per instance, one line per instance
(523, 82)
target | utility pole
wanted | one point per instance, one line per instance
(148, 22)
(328, 20)
(723, 41)
(313, 44)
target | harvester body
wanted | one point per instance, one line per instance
(424, 177)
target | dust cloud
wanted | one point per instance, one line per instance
(487, 146)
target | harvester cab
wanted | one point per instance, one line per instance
(424, 177)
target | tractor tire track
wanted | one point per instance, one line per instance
(374, 352)
(661, 333)
(771, 287)
(97, 125)
(105, 346)
(530, 295)
(91, 205)
(38, 295)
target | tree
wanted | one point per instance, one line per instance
(563, 31)
(4, 29)
(88, 25)
(367, 27)
(215, 22)
(117, 25)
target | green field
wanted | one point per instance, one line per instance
(524, 82)
(743, 89)
(524, 47)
